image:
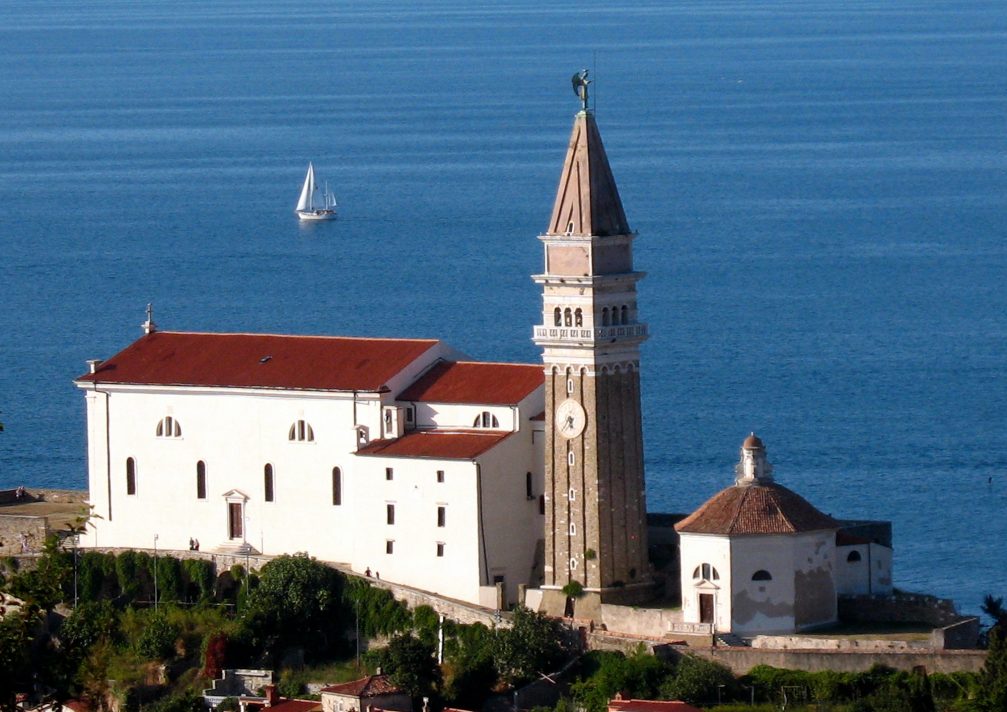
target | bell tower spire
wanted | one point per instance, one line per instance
(590, 335)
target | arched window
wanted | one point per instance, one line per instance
(130, 476)
(705, 572)
(337, 486)
(624, 318)
(604, 316)
(573, 529)
(853, 557)
(267, 482)
(363, 435)
(567, 317)
(301, 431)
(200, 480)
(578, 318)
(168, 427)
(486, 420)
(557, 316)
(762, 575)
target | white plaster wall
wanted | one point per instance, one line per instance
(235, 434)
(881, 570)
(762, 606)
(697, 549)
(852, 576)
(416, 494)
(462, 415)
(511, 521)
(815, 555)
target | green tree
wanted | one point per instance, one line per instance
(90, 622)
(15, 662)
(636, 676)
(469, 669)
(696, 680)
(411, 665)
(46, 584)
(993, 677)
(534, 644)
(157, 639)
(298, 601)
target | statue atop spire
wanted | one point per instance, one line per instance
(580, 82)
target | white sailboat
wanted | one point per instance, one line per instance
(306, 209)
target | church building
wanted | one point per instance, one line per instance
(757, 558)
(404, 459)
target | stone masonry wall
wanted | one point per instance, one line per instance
(741, 660)
(12, 526)
(898, 608)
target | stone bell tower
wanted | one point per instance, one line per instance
(595, 506)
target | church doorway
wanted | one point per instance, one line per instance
(234, 528)
(706, 608)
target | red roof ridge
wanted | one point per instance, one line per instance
(292, 336)
(495, 363)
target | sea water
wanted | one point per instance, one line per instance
(819, 189)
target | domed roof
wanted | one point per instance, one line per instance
(758, 508)
(752, 442)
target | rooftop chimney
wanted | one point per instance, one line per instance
(93, 364)
(272, 696)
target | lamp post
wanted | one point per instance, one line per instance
(155, 572)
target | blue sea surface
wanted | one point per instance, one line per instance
(820, 190)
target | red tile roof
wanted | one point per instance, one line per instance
(438, 444)
(618, 705)
(370, 686)
(470, 382)
(295, 706)
(759, 508)
(260, 361)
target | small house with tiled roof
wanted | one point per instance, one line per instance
(618, 704)
(374, 692)
(397, 457)
(757, 558)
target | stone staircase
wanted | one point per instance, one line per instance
(730, 640)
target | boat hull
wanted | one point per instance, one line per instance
(314, 215)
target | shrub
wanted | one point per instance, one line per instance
(157, 640)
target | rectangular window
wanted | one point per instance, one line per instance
(442, 515)
(440, 548)
(440, 475)
(389, 546)
(390, 513)
(541, 504)
(410, 415)
(527, 486)
(389, 473)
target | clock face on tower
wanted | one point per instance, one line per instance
(570, 418)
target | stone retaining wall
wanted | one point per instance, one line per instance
(741, 660)
(13, 526)
(898, 608)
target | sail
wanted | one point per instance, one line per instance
(304, 202)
